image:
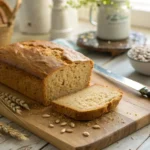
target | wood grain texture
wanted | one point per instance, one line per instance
(132, 141)
(131, 114)
(145, 145)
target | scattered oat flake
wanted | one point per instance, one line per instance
(51, 125)
(72, 125)
(63, 124)
(57, 121)
(86, 134)
(69, 130)
(96, 126)
(45, 115)
(63, 130)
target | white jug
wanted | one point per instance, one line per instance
(61, 25)
(113, 21)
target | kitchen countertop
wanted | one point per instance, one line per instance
(139, 140)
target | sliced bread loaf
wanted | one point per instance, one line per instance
(43, 70)
(88, 103)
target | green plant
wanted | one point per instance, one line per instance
(80, 3)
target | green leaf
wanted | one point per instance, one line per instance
(80, 3)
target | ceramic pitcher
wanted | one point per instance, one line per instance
(61, 24)
(113, 21)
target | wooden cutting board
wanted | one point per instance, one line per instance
(132, 113)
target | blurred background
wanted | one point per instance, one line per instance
(53, 19)
(140, 12)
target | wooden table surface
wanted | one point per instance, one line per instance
(139, 140)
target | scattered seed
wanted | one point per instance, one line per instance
(51, 125)
(86, 134)
(63, 124)
(57, 121)
(72, 125)
(96, 126)
(63, 130)
(69, 130)
(46, 116)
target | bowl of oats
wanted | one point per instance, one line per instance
(140, 59)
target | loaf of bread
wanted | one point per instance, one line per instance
(88, 103)
(43, 71)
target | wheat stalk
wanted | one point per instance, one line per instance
(15, 108)
(12, 132)
(18, 101)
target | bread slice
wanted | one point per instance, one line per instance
(88, 103)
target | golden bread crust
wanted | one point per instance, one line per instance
(39, 58)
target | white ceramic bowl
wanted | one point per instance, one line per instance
(140, 66)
